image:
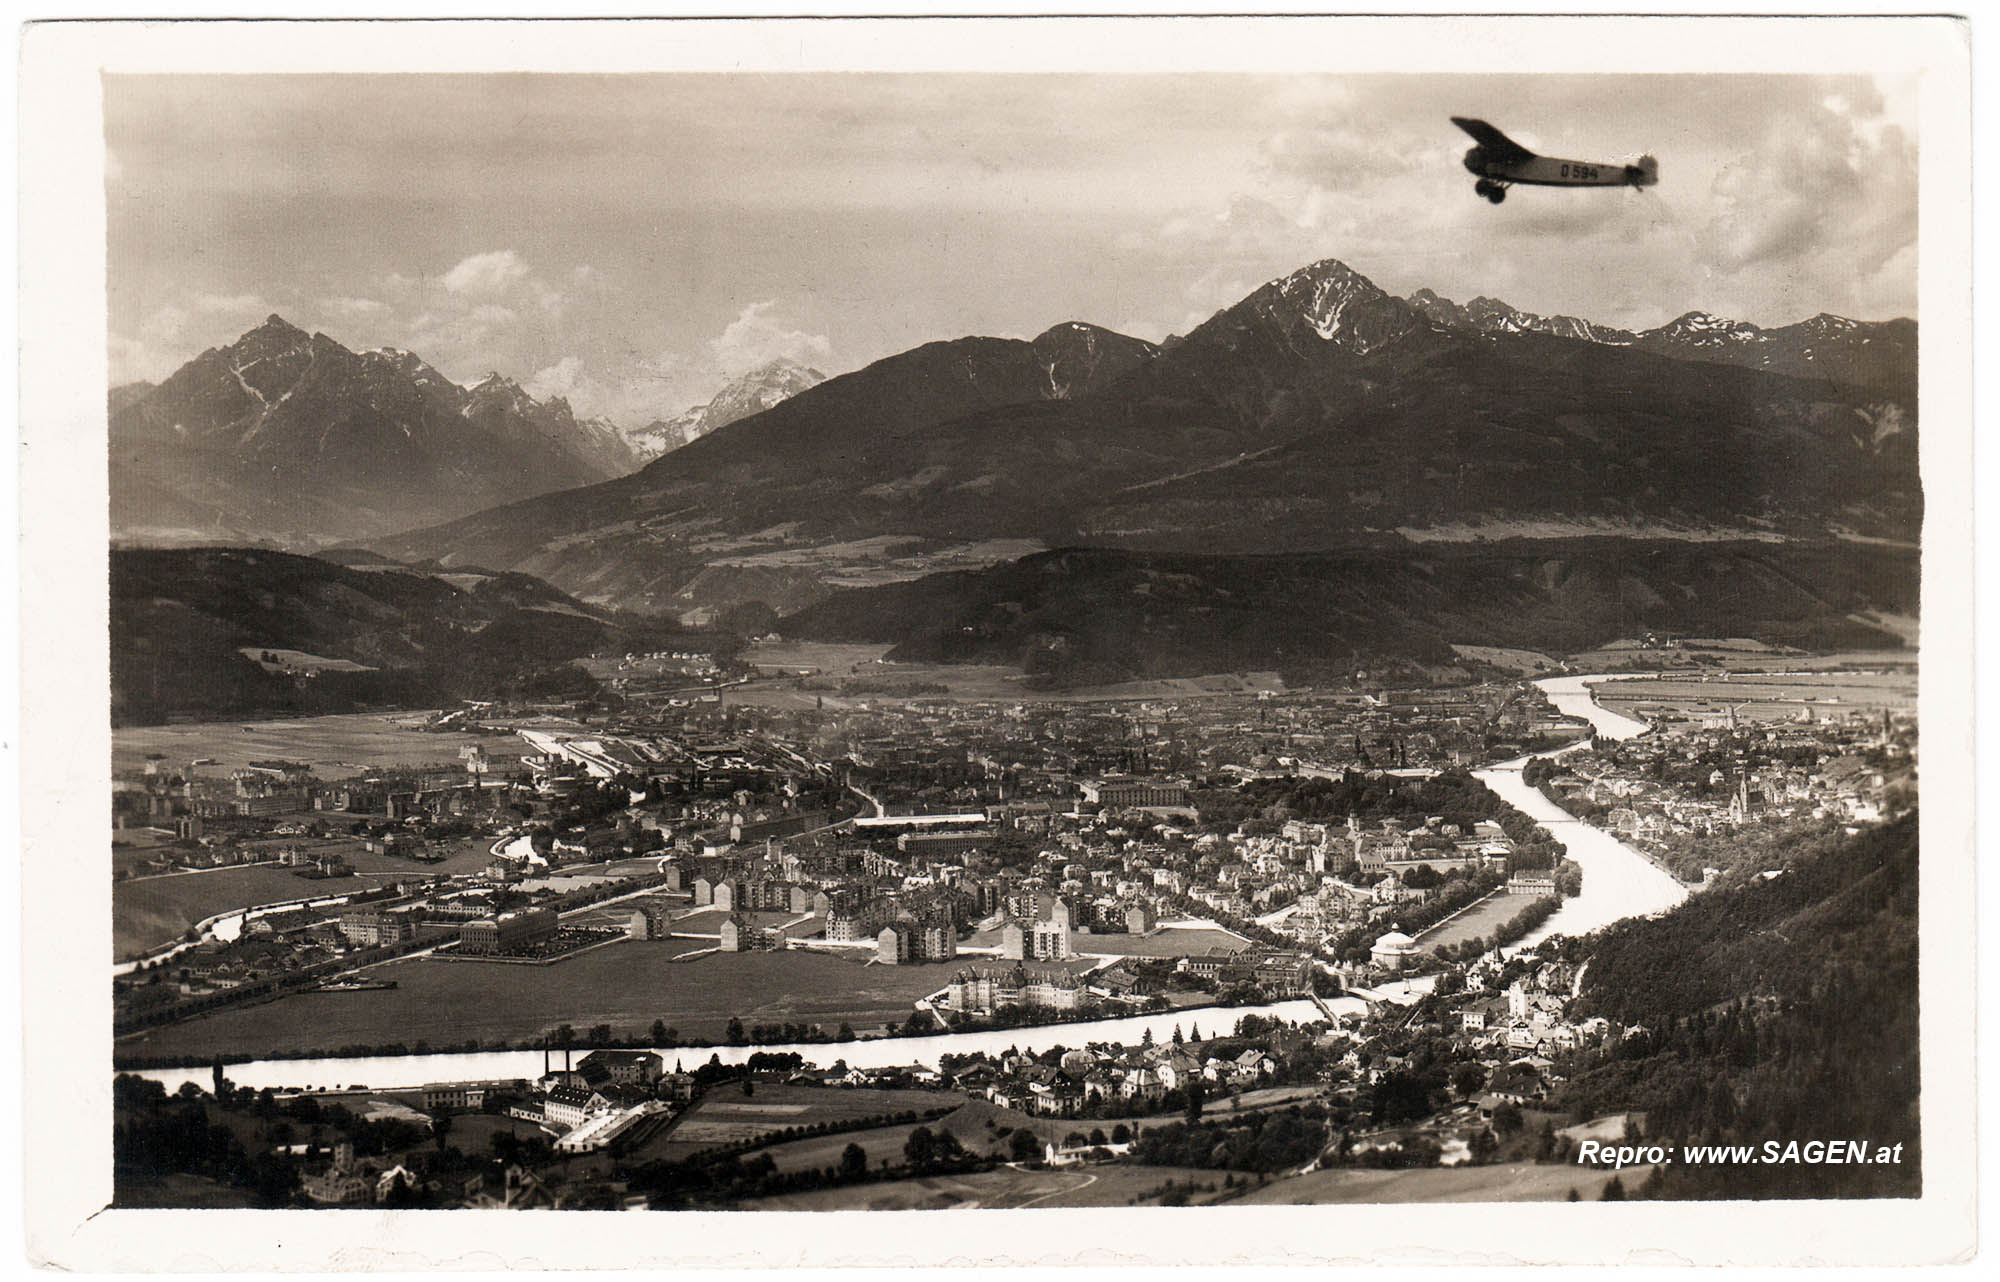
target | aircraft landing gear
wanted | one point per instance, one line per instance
(1491, 190)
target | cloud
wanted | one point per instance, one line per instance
(486, 275)
(758, 336)
(1355, 157)
(354, 308)
(463, 342)
(635, 391)
(131, 360)
(229, 304)
(171, 334)
(560, 379)
(1781, 197)
(1809, 192)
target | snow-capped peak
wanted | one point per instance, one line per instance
(1323, 292)
(1706, 329)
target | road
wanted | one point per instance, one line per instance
(1088, 1180)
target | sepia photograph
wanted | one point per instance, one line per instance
(948, 616)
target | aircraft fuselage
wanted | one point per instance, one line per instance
(1551, 171)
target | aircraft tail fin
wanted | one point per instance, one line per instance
(1646, 173)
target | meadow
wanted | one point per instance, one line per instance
(724, 1116)
(627, 985)
(1503, 1182)
(149, 912)
(337, 747)
(1763, 697)
(1006, 1188)
(1121, 1185)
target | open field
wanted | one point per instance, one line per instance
(1174, 941)
(1507, 1182)
(153, 911)
(461, 855)
(1737, 656)
(618, 913)
(725, 1116)
(472, 1133)
(627, 984)
(290, 662)
(975, 1123)
(337, 746)
(1230, 683)
(707, 922)
(1005, 1188)
(148, 912)
(1763, 697)
(1525, 662)
(829, 663)
(1479, 920)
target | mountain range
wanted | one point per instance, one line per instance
(752, 393)
(1318, 413)
(286, 435)
(289, 438)
(1319, 417)
(1850, 352)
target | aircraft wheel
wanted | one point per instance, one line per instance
(1496, 194)
(1483, 188)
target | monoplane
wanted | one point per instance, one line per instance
(1500, 162)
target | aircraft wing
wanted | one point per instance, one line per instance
(1499, 147)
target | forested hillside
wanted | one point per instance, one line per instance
(1776, 1008)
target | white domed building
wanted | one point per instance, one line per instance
(1393, 951)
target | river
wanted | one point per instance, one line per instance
(406, 1071)
(1618, 881)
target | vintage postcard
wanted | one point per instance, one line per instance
(1010, 641)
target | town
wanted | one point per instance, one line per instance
(1321, 881)
(1100, 840)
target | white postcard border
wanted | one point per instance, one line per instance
(65, 754)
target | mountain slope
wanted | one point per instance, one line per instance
(1089, 616)
(1319, 412)
(181, 619)
(288, 436)
(852, 455)
(1776, 1010)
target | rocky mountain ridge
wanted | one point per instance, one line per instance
(1873, 354)
(289, 436)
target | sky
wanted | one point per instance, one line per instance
(631, 242)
